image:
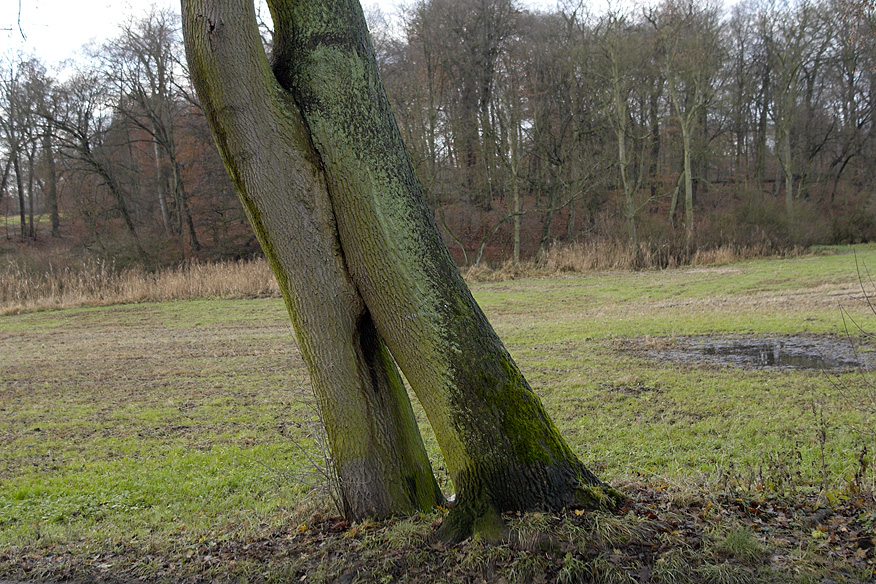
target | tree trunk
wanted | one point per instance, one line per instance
(162, 190)
(31, 193)
(52, 182)
(654, 116)
(514, 143)
(378, 454)
(19, 184)
(119, 196)
(502, 450)
(179, 188)
(626, 185)
(787, 168)
(3, 183)
(546, 222)
(688, 183)
(673, 204)
(762, 128)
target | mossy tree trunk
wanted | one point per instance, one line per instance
(501, 448)
(374, 440)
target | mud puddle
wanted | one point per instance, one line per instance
(824, 353)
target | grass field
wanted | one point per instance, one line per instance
(171, 441)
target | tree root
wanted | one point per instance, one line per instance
(482, 519)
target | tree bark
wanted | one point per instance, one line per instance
(654, 118)
(688, 182)
(162, 189)
(377, 451)
(51, 181)
(501, 448)
(514, 142)
(179, 188)
(31, 193)
(105, 173)
(19, 185)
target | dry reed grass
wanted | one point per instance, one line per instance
(604, 254)
(98, 282)
(39, 285)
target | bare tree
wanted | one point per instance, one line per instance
(14, 125)
(690, 36)
(141, 64)
(794, 42)
(82, 126)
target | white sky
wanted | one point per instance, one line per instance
(56, 30)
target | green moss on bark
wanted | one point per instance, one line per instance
(379, 456)
(501, 448)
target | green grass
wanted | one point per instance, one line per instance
(156, 427)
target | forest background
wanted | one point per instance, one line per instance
(654, 134)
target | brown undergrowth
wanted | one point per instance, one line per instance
(605, 254)
(99, 283)
(41, 281)
(659, 535)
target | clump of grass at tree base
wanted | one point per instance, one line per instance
(187, 431)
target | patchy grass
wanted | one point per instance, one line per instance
(173, 441)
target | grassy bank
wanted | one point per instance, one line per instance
(174, 440)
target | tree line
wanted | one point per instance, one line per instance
(680, 125)
(113, 154)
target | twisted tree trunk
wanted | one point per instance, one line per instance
(501, 448)
(331, 192)
(374, 440)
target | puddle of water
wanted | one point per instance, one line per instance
(799, 352)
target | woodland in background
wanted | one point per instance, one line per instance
(668, 130)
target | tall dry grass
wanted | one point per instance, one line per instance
(39, 285)
(606, 254)
(98, 282)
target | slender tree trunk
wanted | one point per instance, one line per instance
(52, 182)
(626, 185)
(19, 184)
(785, 160)
(376, 449)
(31, 194)
(514, 144)
(501, 448)
(546, 222)
(487, 144)
(182, 197)
(117, 194)
(3, 184)
(619, 112)
(654, 114)
(673, 204)
(761, 147)
(688, 183)
(162, 190)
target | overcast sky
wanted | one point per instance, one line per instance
(57, 29)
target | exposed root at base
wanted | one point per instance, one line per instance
(467, 518)
(601, 496)
(483, 520)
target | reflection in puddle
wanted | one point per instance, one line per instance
(820, 353)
